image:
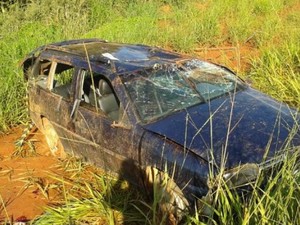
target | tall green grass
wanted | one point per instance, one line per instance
(277, 71)
(180, 25)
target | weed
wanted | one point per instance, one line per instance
(93, 199)
(278, 68)
(3, 208)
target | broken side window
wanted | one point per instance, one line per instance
(90, 89)
(61, 81)
(40, 71)
(99, 93)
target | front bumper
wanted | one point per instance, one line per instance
(247, 177)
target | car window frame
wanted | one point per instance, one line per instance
(50, 79)
(124, 120)
(74, 93)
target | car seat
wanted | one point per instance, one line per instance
(107, 101)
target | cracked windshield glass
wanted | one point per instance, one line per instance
(163, 89)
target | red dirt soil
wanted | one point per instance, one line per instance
(20, 199)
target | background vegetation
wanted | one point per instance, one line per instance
(264, 34)
(268, 29)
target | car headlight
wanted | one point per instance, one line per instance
(239, 176)
(242, 175)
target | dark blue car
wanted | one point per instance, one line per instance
(134, 110)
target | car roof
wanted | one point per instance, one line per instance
(115, 57)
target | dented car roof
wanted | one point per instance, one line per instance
(115, 57)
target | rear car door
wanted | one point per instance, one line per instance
(51, 95)
(58, 91)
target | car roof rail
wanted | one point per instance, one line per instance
(77, 41)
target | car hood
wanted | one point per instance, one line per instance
(239, 127)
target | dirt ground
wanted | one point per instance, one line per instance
(20, 199)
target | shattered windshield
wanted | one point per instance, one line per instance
(211, 81)
(159, 91)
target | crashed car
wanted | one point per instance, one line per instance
(131, 108)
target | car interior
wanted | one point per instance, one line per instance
(107, 100)
(99, 92)
(102, 95)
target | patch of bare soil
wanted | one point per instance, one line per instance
(167, 9)
(235, 57)
(20, 197)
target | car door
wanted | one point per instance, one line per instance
(51, 95)
(104, 140)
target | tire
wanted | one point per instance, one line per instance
(172, 201)
(52, 139)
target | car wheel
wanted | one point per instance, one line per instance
(52, 139)
(170, 197)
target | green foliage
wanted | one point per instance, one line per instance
(277, 72)
(181, 25)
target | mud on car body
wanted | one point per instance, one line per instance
(131, 108)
